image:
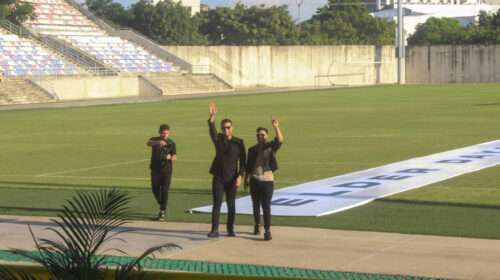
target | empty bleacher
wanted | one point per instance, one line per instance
(120, 54)
(23, 57)
(58, 18)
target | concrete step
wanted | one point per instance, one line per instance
(174, 84)
(17, 91)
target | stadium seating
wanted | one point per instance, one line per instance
(119, 54)
(22, 57)
(58, 18)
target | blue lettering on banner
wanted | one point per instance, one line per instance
(357, 185)
(291, 202)
(476, 156)
(454, 161)
(491, 152)
(334, 194)
(388, 177)
(418, 170)
(327, 194)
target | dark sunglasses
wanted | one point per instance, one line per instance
(226, 127)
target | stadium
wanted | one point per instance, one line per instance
(385, 172)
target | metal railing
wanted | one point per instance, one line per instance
(19, 30)
(84, 60)
(153, 47)
(135, 37)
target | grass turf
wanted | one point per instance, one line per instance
(47, 154)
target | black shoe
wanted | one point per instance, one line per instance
(161, 216)
(213, 234)
(267, 235)
(231, 233)
(256, 230)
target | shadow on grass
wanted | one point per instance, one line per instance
(488, 104)
(76, 187)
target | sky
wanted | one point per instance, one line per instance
(308, 7)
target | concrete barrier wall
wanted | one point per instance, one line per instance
(453, 64)
(293, 66)
(71, 88)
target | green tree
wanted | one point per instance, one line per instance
(167, 23)
(255, 25)
(110, 11)
(16, 11)
(347, 22)
(440, 31)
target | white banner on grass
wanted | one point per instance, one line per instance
(343, 192)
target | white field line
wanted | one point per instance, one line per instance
(91, 168)
(180, 161)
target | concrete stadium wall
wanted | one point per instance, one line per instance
(453, 64)
(292, 66)
(82, 87)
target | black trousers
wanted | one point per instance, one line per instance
(219, 187)
(160, 185)
(262, 194)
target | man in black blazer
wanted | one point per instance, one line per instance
(228, 170)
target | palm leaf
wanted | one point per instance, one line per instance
(8, 274)
(85, 223)
(124, 272)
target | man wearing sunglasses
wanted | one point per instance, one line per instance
(228, 169)
(261, 166)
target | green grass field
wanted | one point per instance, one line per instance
(48, 154)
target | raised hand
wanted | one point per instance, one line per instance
(212, 110)
(275, 122)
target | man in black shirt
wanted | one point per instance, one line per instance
(261, 166)
(228, 169)
(163, 153)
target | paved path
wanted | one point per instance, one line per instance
(369, 252)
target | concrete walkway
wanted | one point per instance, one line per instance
(334, 250)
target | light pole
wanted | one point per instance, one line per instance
(401, 44)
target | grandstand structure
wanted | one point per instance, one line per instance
(64, 39)
(22, 57)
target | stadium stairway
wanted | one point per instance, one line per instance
(22, 91)
(178, 84)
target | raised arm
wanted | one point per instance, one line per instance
(279, 135)
(155, 142)
(212, 131)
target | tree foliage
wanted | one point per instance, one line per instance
(449, 31)
(347, 22)
(255, 25)
(339, 22)
(16, 11)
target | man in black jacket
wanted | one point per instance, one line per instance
(261, 166)
(163, 152)
(228, 169)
